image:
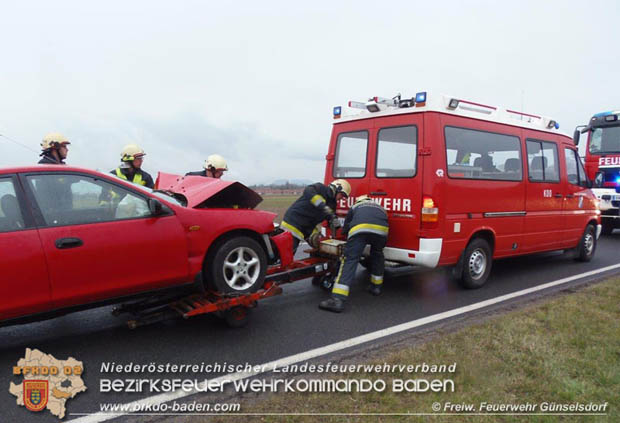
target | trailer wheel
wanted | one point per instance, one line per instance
(587, 245)
(325, 282)
(237, 317)
(237, 266)
(608, 228)
(477, 262)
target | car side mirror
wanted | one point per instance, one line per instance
(576, 136)
(155, 207)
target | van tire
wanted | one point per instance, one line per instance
(587, 245)
(476, 264)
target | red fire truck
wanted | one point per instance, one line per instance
(603, 164)
(464, 183)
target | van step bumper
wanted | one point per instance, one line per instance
(427, 256)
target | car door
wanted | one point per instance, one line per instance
(575, 198)
(544, 220)
(100, 239)
(24, 283)
(396, 177)
(348, 158)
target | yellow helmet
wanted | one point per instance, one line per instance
(131, 152)
(53, 140)
(216, 162)
(341, 185)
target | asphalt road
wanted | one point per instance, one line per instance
(281, 326)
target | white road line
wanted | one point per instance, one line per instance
(328, 349)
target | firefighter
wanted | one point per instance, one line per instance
(54, 148)
(130, 168)
(54, 192)
(366, 223)
(214, 167)
(316, 204)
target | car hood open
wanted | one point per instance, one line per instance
(202, 192)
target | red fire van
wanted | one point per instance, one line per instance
(464, 183)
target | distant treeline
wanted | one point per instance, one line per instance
(284, 186)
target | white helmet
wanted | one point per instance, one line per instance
(341, 185)
(363, 197)
(215, 161)
(131, 152)
(53, 140)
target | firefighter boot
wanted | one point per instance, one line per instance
(332, 304)
(374, 289)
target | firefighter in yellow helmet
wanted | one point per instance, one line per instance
(366, 224)
(130, 169)
(214, 167)
(316, 204)
(54, 148)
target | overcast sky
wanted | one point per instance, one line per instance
(256, 81)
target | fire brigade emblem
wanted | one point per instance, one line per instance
(439, 173)
(35, 394)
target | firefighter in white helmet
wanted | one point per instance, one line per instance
(316, 204)
(130, 169)
(54, 148)
(214, 167)
(366, 224)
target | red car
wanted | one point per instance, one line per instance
(73, 238)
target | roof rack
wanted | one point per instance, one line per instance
(445, 104)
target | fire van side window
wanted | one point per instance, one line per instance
(397, 152)
(575, 172)
(473, 154)
(10, 214)
(542, 161)
(350, 161)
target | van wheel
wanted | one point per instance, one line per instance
(477, 261)
(587, 245)
(238, 266)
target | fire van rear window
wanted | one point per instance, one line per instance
(396, 152)
(351, 151)
(476, 154)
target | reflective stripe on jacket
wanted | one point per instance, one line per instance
(366, 217)
(309, 210)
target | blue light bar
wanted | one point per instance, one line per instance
(337, 111)
(420, 97)
(557, 125)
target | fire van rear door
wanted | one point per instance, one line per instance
(396, 175)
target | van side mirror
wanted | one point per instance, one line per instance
(155, 207)
(589, 183)
(576, 136)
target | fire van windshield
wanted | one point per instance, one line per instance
(605, 140)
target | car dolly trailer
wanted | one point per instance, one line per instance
(233, 307)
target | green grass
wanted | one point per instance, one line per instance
(564, 350)
(277, 204)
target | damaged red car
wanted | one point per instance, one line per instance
(73, 238)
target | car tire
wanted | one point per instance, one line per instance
(587, 245)
(476, 264)
(237, 265)
(607, 228)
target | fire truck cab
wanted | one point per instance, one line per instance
(464, 183)
(603, 164)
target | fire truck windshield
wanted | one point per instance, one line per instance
(605, 140)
